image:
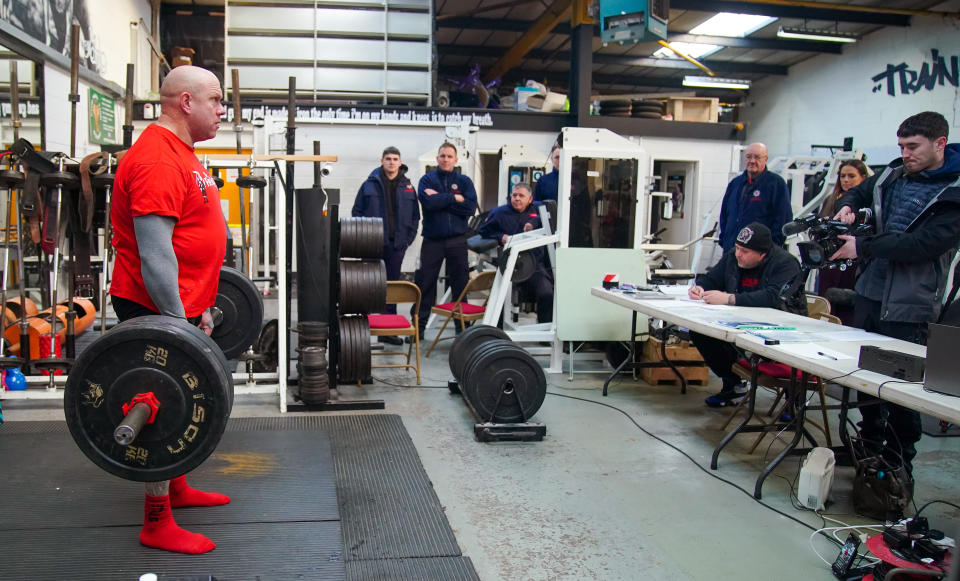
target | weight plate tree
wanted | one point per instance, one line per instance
(176, 362)
(242, 307)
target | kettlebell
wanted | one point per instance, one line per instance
(14, 380)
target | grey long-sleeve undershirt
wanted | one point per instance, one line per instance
(158, 262)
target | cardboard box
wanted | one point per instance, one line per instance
(520, 96)
(701, 109)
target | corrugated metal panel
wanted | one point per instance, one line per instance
(335, 48)
(328, 50)
(299, 20)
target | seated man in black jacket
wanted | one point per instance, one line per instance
(756, 273)
(520, 215)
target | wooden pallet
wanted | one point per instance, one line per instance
(665, 375)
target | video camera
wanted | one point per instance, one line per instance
(824, 241)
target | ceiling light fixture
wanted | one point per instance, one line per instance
(715, 83)
(811, 34)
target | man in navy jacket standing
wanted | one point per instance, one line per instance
(756, 195)
(449, 200)
(388, 194)
(549, 183)
(520, 215)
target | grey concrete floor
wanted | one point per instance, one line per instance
(620, 489)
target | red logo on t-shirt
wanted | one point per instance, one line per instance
(204, 182)
(749, 282)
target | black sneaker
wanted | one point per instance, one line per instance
(389, 340)
(728, 397)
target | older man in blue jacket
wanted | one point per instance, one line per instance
(449, 200)
(756, 195)
(520, 215)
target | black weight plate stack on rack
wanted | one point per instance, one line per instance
(647, 109)
(362, 290)
(355, 361)
(618, 108)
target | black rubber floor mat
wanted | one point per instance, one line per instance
(285, 477)
(63, 518)
(245, 552)
(388, 506)
(390, 569)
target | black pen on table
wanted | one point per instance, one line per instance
(822, 354)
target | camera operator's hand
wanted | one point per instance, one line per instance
(715, 297)
(849, 248)
(695, 293)
(846, 215)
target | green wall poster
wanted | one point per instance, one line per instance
(102, 123)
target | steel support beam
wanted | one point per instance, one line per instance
(611, 59)
(581, 72)
(557, 12)
(759, 43)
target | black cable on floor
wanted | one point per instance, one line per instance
(695, 463)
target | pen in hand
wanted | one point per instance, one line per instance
(822, 354)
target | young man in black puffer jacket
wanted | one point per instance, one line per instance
(916, 209)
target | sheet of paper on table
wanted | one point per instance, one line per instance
(783, 336)
(813, 351)
(859, 335)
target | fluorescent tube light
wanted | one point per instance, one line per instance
(810, 34)
(715, 83)
(731, 24)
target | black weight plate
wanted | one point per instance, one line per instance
(349, 287)
(380, 285)
(355, 344)
(362, 352)
(377, 239)
(504, 383)
(466, 342)
(239, 300)
(350, 238)
(256, 182)
(102, 180)
(181, 366)
(524, 268)
(267, 345)
(11, 178)
(59, 178)
(647, 116)
(344, 231)
(345, 370)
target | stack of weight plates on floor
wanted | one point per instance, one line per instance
(312, 370)
(500, 381)
(615, 108)
(647, 109)
(362, 290)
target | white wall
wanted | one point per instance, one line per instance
(830, 97)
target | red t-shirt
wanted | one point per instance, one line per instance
(161, 175)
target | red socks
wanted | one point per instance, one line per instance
(159, 529)
(161, 532)
(182, 496)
